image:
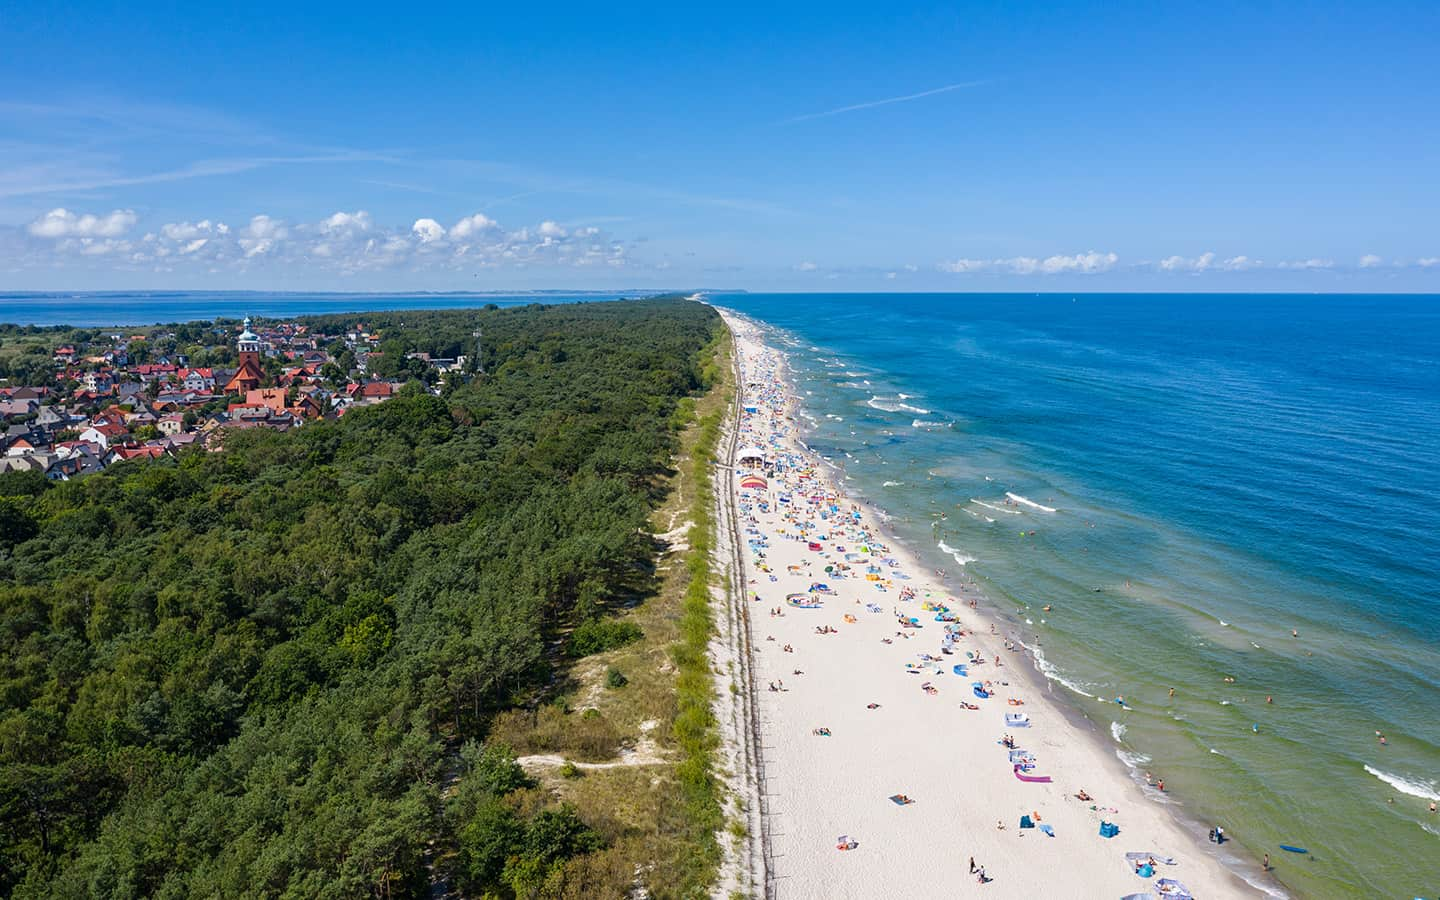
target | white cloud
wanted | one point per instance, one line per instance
(1182, 264)
(60, 223)
(1428, 262)
(428, 230)
(806, 266)
(1309, 264)
(343, 222)
(1086, 262)
(962, 266)
(187, 231)
(261, 236)
(344, 242)
(1089, 263)
(1370, 261)
(472, 226)
(1240, 264)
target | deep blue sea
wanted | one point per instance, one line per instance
(1185, 480)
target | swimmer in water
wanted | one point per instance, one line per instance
(1294, 633)
(1172, 692)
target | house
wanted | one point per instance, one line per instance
(120, 454)
(21, 446)
(371, 391)
(271, 398)
(17, 408)
(99, 381)
(171, 423)
(199, 380)
(104, 434)
(51, 418)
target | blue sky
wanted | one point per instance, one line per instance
(1100, 146)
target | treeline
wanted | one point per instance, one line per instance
(247, 673)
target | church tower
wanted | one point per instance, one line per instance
(247, 377)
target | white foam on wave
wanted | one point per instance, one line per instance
(1132, 760)
(1414, 787)
(1431, 828)
(1013, 512)
(1026, 501)
(928, 423)
(1117, 731)
(1049, 671)
(887, 404)
(852, 385)
(1268, 890)
(893, 484)
(959, 557)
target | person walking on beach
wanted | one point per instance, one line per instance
(972, 865)
(1267, 862)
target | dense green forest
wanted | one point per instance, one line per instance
(251, 673)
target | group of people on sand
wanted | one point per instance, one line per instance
(979, 872)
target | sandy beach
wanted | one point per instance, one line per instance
(866, 665)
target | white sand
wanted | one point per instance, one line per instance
(945, 757)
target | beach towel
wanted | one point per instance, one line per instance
(1047, 830)
(900, 800)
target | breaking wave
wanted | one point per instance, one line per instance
(1049, 671)
(1013, 512)
(1026, 501)
(959, 557)
(1414, 787)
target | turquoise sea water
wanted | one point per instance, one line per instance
(1221, 470)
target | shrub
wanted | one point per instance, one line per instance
(604, 634)
(615, 678)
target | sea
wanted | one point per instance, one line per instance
(1234, 496)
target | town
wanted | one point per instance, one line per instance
(128, 394)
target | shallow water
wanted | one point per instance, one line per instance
(1185, 479)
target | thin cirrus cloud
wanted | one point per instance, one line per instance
(904, 98)
(344, 242)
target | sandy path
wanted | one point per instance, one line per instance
(947, 758)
